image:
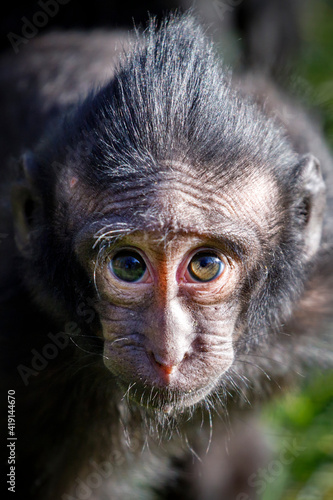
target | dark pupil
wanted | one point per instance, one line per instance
(205, 267)
(128, 266)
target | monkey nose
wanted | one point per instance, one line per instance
(164, 367)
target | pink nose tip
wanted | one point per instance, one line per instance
(167, 369)
(164, 367)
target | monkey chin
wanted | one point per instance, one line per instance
(169, 401)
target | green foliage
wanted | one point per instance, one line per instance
(304, 418)
(314, 67)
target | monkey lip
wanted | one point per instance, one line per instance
(167, 400)
(187, 400)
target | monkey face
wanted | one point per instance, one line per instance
(167, 315)
(169, 291)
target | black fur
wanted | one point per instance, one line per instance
(169, 101)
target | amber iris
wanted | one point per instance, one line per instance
(205, 266)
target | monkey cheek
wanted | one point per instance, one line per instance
(188, 384)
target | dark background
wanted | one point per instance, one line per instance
(274, 23)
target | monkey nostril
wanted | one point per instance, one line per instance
(166, 367)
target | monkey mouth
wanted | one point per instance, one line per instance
(166, 400)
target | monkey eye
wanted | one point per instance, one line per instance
(205, 266)
(128, 265)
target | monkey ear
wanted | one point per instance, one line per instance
(312, 203)
(24, 203)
